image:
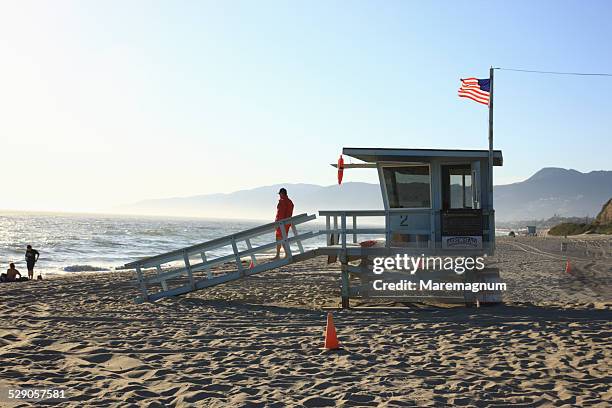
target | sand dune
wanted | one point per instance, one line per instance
(258, 342)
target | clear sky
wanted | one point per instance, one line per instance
(110, 102)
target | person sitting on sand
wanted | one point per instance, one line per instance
(11, 273)
(31, 257)
(284, 209)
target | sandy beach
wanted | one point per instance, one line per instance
(258, 341)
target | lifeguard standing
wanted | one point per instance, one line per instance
(284, 209)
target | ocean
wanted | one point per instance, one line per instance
(85, 243)
(71, 243)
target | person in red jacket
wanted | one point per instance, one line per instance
(284, 209)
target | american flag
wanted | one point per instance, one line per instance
(476, 89)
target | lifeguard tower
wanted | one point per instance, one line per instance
(436, 203)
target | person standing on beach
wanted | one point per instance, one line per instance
(31, 257)
(284, 209)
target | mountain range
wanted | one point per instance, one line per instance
(553, 191)
(550, 191)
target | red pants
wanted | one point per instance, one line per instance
(279, 234)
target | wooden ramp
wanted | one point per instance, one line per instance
(188, 269)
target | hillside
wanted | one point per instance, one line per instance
(605, 215)
(601, 225)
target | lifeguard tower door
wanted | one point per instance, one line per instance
(461, 213)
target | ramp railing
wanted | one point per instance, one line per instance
(187, 269)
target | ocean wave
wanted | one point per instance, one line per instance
(84, 268)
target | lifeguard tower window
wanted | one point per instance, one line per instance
(457, 187)
(408, 186)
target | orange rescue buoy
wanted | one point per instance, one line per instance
(340, 169)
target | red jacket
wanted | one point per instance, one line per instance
(284, 209)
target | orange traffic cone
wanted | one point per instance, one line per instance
(331, 341)
(568, 266)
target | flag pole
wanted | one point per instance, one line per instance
(491, 215)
